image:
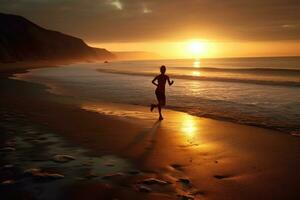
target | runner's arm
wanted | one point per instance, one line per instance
(153, 81)
(170, 82)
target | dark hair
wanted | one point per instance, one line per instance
(163, 69)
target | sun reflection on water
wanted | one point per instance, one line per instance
(196, 73)
(196, 63)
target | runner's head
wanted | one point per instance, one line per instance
(163, 69)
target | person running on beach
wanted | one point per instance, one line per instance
(160, 90)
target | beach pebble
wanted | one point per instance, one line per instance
(31, 171)
(109, 176)
(152, 181)
(8, 182)
(143, 188)
(46, 175)
(9, 166)
(37, 173)
(295, 133)
(62, 158)
(7, 149)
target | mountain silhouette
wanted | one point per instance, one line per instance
(22, 40)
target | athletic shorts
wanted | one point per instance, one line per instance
(161, 97)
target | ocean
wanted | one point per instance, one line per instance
(262, 92)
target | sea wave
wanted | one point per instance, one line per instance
(211, 78)
(243, 70)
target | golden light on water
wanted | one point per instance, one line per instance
(196, 73)
(188, 126)
(196, 63)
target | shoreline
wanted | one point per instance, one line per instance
(217, 116)
(198, 158)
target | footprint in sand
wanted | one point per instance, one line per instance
(221, 176)
(184, 181)
(177, 167)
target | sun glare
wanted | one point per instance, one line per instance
(192, 48)
(196, 48)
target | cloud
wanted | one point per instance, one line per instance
(142, 20)
(117, 4)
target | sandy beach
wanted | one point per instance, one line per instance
(149, 100)
(55, 147)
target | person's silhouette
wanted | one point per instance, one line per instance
(160, 90)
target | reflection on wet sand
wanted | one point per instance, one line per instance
(188, 126)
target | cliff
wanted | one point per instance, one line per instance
(22, 40)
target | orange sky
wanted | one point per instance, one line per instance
(210, 48)
(228, 28)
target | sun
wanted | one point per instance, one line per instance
(196, 48)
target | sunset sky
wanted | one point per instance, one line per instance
(175, 29)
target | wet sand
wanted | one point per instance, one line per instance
(122, 152)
